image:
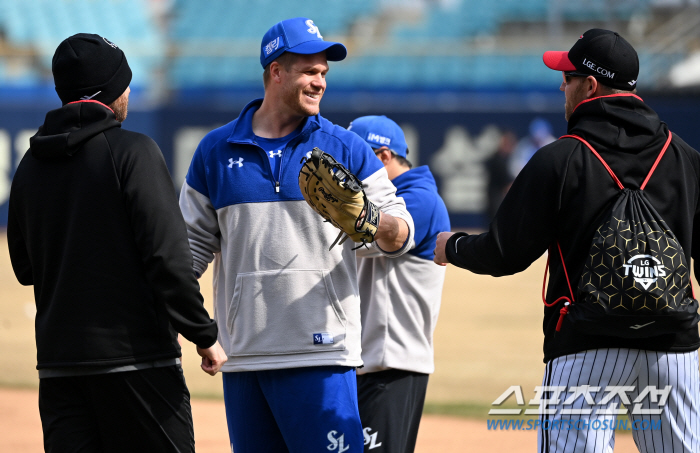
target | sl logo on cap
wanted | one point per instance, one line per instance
(272, 46)
(313, 29)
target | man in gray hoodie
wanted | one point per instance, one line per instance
(400, 300)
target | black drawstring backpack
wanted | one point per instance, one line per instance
(636, 279)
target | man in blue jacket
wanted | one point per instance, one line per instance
(287, 307)
(400, 301)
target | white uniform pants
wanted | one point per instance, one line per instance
(661, 419)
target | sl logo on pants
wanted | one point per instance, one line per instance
(337, 443)
(371, 439)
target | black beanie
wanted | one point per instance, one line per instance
(87, 66)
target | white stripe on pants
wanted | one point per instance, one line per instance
(679, 421)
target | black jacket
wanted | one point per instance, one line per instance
(562, 191)
(94, 225)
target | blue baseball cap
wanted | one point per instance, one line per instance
(298, 35)
(380, 131)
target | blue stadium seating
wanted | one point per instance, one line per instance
(215, 43)
(43, 24)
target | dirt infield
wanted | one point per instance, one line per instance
(20, 430)
(488, 338)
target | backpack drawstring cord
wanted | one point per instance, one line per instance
(565, 309)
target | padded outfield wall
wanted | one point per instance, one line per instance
(453, 133)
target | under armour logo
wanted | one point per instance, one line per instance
(273, 153)
(633, 83)
(239, 162)
(313, 29)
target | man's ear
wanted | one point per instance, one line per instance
(384, 154)
(275, 70)
(592, 86)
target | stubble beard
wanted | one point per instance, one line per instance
(572, 102)
(293, 98)
(567, 111)
(120, 108)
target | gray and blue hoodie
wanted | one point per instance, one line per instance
(401, 297)
(281, 298)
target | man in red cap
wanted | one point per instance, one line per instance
(599, 57)
(556, 203)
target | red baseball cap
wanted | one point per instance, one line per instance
(558, 60)
(603, 54)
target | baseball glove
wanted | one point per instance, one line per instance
(336, 194)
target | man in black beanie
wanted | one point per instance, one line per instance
(94, 225)
(90, 67)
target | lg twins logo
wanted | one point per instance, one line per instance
(645, 269)
(313, 29)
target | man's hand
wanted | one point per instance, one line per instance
(212, 358)
(440, 254)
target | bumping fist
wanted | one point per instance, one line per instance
(440, 254)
